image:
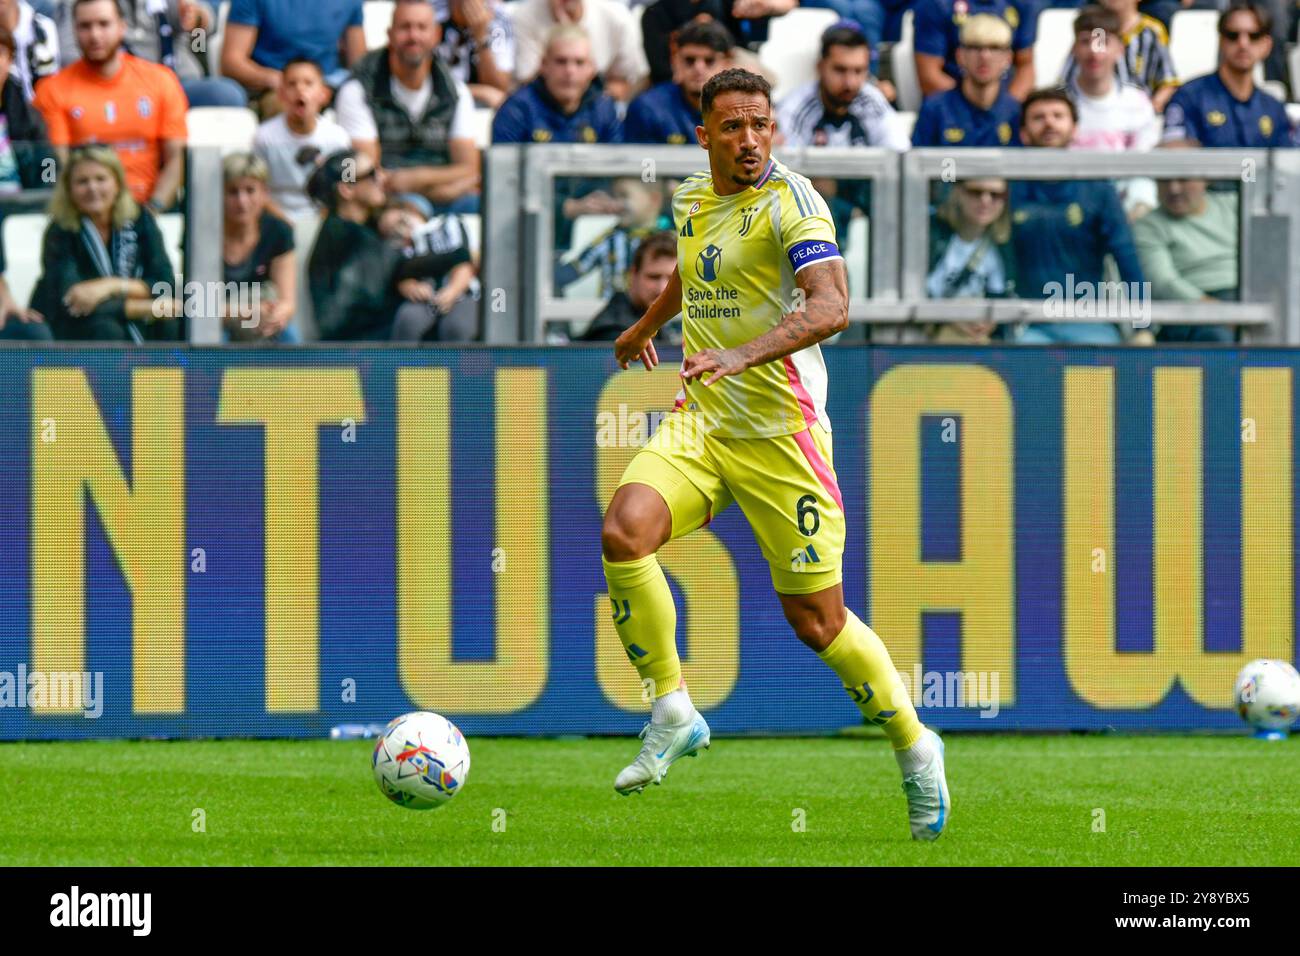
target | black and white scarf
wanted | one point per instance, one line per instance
(119, 259)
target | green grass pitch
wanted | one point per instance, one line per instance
(1019, 800)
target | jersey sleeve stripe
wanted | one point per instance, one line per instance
(808, 207)
(798, 198)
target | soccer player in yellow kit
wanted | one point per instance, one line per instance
(759, 282)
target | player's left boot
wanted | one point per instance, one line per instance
(664, 744)
(928, 806)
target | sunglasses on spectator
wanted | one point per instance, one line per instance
(368, 174)
(1233, 36)
(977, 193)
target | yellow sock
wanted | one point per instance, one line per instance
(861, 660)
(646, 620)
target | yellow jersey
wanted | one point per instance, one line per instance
(737, 256)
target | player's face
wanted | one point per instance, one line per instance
(1096, 53)
(100, 29)
(984, 64)
(738, 135)
(1048, 124)
(93, 188)
(414, 34)
(1242, 43)
(842, 74)
(696, 65)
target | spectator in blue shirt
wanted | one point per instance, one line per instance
(263, 35)
(938, 23)
(669, 112)
(1225, 108)
(1062, 231)
(978, 111)
(564, 104)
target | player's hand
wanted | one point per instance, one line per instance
(716, 363)
(635, 344)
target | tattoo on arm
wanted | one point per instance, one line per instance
(825, 311)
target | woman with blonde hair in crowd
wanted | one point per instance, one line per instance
(971, 254)
(103, 257)
(257, 255)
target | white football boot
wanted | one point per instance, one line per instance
(663, 745)
(928, 806)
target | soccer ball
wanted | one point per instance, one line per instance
(421, 760)
(1268, 695)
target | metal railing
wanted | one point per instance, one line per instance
(518, 228)
(522, 226)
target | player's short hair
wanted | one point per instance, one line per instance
(984, 29)
(708, 33)
(1052, 95)
(1260, 12)
(845, 33)
(734, 80)
(303, 61)
(654, 246)
(1094, 17)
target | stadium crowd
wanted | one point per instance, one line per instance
(377, 151)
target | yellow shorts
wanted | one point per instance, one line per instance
(786, 487)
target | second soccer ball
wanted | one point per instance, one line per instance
(1268, 696)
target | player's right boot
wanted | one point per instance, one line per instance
(663, 745)
(928, 805)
